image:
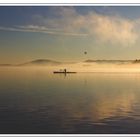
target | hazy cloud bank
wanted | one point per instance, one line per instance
(67, 21)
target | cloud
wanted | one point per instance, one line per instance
(41, 29)
(111, 29)
(67, 21)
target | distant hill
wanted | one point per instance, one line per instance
(41, 62)
(109, 61)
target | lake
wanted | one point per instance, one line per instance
(36, 101)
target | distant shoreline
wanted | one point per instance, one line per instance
(48, 62)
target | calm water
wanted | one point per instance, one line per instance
(36, 101)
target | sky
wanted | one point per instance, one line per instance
(65, 33)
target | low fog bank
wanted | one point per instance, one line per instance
(86, 66)
(96, 67)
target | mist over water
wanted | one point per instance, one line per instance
(87, 67)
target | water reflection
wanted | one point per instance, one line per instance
(36, 101)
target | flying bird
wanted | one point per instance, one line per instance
(85, 52)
